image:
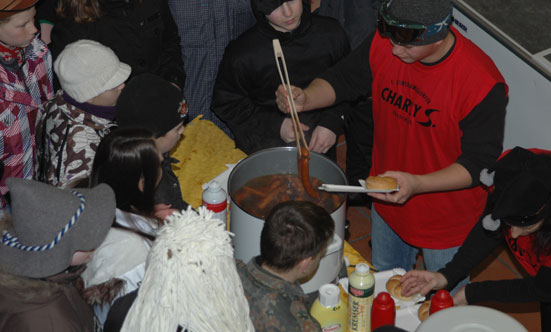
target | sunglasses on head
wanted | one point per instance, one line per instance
(403, 33)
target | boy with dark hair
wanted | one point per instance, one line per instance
(292, 243)
(153, 103)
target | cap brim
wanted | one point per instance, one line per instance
(13, 7)
(121, 75)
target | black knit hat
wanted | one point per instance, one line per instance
(149, 101)
(427, 12)
(266, 7)
(522, 189)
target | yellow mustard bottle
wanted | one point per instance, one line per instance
(329, 309)
(361, 285)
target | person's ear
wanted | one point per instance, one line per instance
(305, 264)
(141, 184)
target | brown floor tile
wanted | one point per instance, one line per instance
(360, 222)
(363, 247)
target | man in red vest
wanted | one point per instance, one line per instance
(439, 114)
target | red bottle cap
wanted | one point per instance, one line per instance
(441, 300)
(383, 311)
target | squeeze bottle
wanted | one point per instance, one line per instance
(215, 199)
(329, 309)
(360, 297)
(383, 311)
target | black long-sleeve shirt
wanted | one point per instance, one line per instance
(477, 246)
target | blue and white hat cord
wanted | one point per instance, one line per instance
(13, 241)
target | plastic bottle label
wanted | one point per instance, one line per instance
(361, 292)
(332, 328)
(359, 309)
(216, 208)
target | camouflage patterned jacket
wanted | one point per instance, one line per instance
(66, 139)
(275, 304)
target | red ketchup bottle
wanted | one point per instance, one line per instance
(441, 300)
(383, 311)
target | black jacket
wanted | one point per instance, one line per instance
(478, 245)
(142, 33)
(244, 92)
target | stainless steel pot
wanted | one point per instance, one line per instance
(247, 228)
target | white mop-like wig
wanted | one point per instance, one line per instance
(190, 280)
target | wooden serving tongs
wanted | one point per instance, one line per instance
(302, 148)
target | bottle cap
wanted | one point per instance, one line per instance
(329, 295)
(441, 300)
(362, 268)
(214, 186)
(384, 298)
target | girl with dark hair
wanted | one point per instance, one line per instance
(518, 212)
(129, 162)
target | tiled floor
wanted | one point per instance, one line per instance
(498, 266)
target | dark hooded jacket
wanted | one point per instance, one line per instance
(142, 33)
(45, 305)
(50, 304)
(244, 92)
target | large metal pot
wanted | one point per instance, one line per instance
(247, 228)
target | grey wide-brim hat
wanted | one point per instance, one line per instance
(50, 224)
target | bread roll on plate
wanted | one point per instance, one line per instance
(423, 311)
(394, 287)
(381, 183)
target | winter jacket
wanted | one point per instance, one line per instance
(244, 92)
(23, 90)
(142, 33)
(169, 191)
(43, 305)
(275, 305)
(67, 140)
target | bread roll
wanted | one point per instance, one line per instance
(381, 183)
(423, 311)
(394, 287)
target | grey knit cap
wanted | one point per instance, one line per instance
(427, 12)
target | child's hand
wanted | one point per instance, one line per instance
(287, 133)
(322, 140)
(162, 211)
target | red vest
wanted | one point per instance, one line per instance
(416, 110)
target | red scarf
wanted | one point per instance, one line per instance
(524, 251)
(10, 54)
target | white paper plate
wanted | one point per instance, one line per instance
(380, 286)
(470, 318)
(353, 189)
